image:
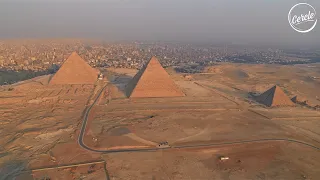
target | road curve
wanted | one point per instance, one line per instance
(85, 120)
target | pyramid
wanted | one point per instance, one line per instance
(298, 100)
(295, 99)
(274, 97)
(75, 71)
(152, 81)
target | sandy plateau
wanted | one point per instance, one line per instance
(217, 117)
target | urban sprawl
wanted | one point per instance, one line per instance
(45, 55)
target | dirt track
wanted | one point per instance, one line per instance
(85, 120)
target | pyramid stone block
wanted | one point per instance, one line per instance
(75, 71)
(152, 81)
(274, 97)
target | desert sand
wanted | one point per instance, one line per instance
(217, 117)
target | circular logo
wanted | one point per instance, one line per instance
(302, 17)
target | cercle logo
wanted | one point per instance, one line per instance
(302, 17)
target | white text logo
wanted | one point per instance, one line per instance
(302, 17)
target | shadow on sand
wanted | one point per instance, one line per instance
(120, 81)
(14, 170)
(10, 76)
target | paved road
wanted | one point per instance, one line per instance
(85, 120)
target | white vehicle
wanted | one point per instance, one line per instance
(100, 76)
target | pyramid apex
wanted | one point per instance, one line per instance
(74, 53)
(75, 56)
(154, 58)
(75, 70)
(154, 61)
(152, 81)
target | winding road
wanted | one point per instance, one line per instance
(85, 121)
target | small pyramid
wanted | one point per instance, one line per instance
(274, 97)
(298, 100)
(152, 81)
(294, 99)
(75, 70)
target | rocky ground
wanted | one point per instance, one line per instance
(40, 125)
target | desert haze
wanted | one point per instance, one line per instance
(159, 90)
(230, 121)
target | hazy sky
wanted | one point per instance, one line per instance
(258, 21)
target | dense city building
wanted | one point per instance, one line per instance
(42, 55)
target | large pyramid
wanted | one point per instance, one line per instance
(152, 81)
(274, 97)
(75, 71)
